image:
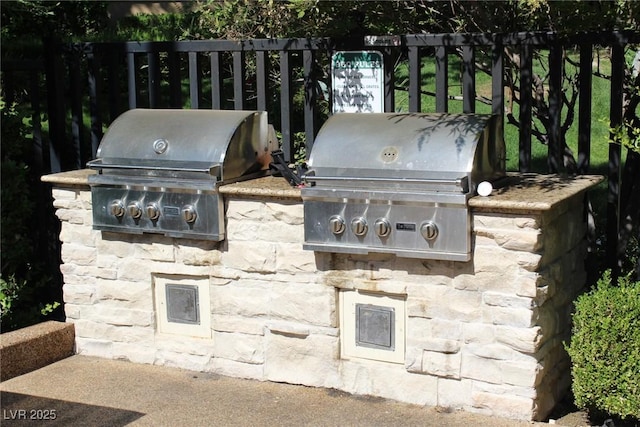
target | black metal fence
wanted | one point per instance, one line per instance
(76, 90)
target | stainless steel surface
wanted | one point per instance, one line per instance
(187, 140)
(430, 147)
(159, 170)
(399, 183)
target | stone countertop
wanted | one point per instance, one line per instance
(530, 193)
(516, 193)
(77, 178)
(268, 187)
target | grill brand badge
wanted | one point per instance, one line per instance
(160, 145)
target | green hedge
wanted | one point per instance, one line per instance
(605, 348)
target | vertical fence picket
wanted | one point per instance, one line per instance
(153, 73)
(132, 80)
(77, 140)
(554, 145)
(415, 78)
(468, 79)
(216, 81)
(308, 61)
(285, 105)
(442, 79)
(194, 81)
(526, 81)
(175, 80)
(584, 108)
(497, 78)
(614, 173)
(261, 80)
(95, 120)
(239, 89)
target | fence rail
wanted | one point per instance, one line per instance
(87, 85)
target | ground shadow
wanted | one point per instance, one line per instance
(23, 409)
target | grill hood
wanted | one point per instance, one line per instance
(224, 144)
(390, 146)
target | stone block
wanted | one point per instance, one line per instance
(133, 352)
(499, 299)
(27, 349)
(79, 234)
(291, 213)
(79, 294)
(154, 251)
(478, 333)
(292, 259)
(438, 304)
(513, 407)
(242, 210)
(517, 317)
(247, 298)
(235, 369)
(251, 256)
(302, 302)
(524, 340)
(175, 343)
(132, 295)
(73, 253)
(94, 347)
(238, 324)
(445, 365)
(119, 316)
(181, 360)
(454, 393)
(311, 360)
(239, 347)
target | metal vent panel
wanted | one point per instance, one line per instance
(375, 326)
(182, 304)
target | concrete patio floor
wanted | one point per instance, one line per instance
(89, 391)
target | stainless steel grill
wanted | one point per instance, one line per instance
(399, 183)
(159, 170)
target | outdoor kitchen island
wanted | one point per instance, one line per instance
(484, 335)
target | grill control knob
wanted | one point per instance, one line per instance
(153, 211)
(117, 208)
(359, 226)
(429, 230)
(336, 224)
(134, 209)
(382, 227)
(189, 213)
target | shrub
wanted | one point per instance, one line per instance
(605, 348)
(24, 282)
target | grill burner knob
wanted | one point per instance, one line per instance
(429, 230)
(135, 210)
(359, 226)
(153, 211)
(117, 208)
(336, 225)
(189, 214)
(382, 227)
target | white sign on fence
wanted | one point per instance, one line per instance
(357, 82)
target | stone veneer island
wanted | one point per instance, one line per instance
(483, 336)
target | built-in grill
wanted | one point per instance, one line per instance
(159, 170)
(399, 183)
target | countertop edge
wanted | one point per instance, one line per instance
(535, 193)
